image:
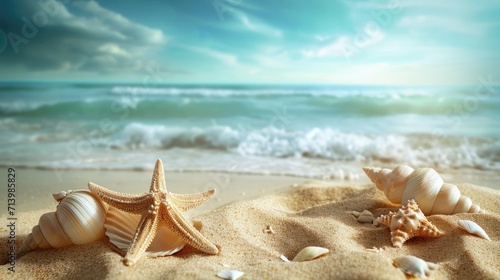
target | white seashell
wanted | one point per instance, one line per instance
(121, 227)
(78, 219)
(425, 186)
(230, 274)
(363, 217)
(310, 253)
(415, 266)
(284, 258)
(268, 230)
(472, 227)
(355, 213)
(60, 195)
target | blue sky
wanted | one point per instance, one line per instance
(401, 42)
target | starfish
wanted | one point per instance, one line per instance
(158, 207)
(408, 222)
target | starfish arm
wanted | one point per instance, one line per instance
(185, 202)
(135, 204)
(182, 227)
(144, 235)
(158, 181)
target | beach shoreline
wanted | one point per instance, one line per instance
(36, 186)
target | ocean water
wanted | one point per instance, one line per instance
(298, 130)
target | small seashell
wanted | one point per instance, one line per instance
(60, 195)
(363, 217)
(414, 266)
(268, 230)
(230, 274)
(472, 227)
(310, 253)
(283, 258)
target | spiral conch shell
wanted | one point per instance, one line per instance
(79, 219)
(425, 186)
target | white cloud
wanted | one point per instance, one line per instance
(344, 46)
(224, 57)
(114, 49)
(260, 27)
(246, 23)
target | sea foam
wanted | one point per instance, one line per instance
(320, 143)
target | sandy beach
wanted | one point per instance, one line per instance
(301, 212)
(278, 107)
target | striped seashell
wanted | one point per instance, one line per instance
(121, 227)
(425, 186)
(78, 219)
(473, 228)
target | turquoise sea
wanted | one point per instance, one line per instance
(299, 130)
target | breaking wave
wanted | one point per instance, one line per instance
(324, 143)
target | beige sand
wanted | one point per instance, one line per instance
(313, 214)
